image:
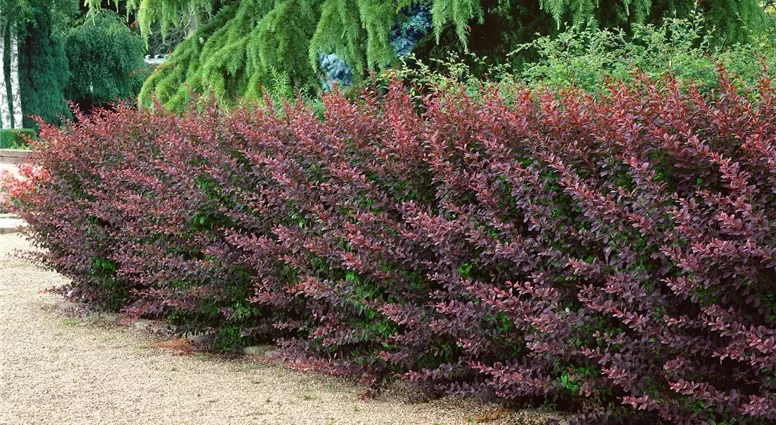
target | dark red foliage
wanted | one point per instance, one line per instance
(613, 254)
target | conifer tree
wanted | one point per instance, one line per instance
(44, 67)
(35, 59)
(105, 59)
(242, 45)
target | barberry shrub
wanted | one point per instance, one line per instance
(614, 254)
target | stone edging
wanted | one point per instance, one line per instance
(15, 156)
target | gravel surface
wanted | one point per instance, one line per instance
(9, 168)
(61, 369)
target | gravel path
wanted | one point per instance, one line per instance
(59, 369)
(10, 168)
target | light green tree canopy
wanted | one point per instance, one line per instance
(241, 45)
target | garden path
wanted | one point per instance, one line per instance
(9, 168)
(67, 370)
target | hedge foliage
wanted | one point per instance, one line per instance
(14, 138)
(613, 254)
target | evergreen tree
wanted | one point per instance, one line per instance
(105, 59)
(44, 68)
(242, 45)
(35, 64)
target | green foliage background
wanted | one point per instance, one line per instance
(591, 58)
(245, 44)
(240, 47)
(106, 60)
(15, 138)
(44, 70)
(101, 47)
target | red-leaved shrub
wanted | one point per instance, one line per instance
(614, 254)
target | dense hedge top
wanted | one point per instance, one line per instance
(613, 255)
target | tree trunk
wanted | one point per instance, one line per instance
(5, 111)
(16, 93)
(193, 24)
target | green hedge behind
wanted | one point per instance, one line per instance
(14, 138)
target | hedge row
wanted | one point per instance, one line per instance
(15, 138)
(613, 254)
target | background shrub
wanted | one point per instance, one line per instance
(590, 58)
(14, 138)
(613, 254)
